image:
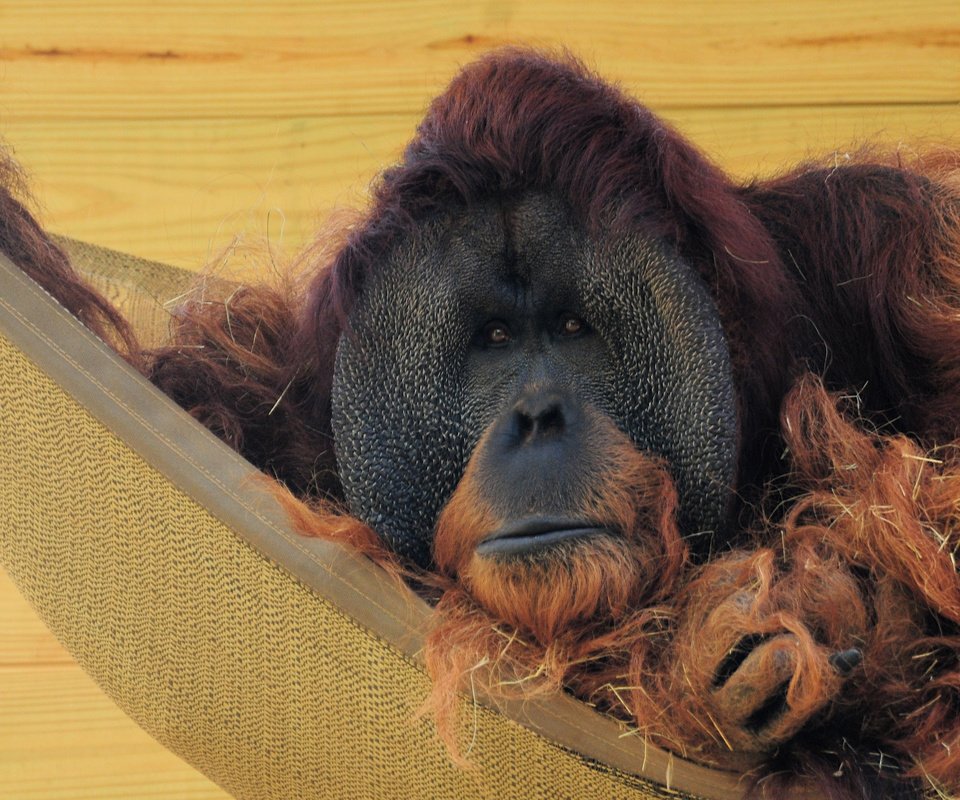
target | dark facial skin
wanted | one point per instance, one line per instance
(506, 319)
(534, 464)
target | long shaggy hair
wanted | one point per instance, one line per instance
(849, 271)
(583, 583)
(864, 557)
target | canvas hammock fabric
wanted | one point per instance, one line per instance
(280, 667)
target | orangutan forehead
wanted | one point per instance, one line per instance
(518, 234)
(497, 251)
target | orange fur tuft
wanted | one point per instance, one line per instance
(590, 583)
(568, 616)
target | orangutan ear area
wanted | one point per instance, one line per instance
(816, 635)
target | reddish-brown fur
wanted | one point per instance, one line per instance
(865, 557)
(850, 270)
(25, 243)
(574, 591)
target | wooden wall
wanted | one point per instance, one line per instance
(168, 128)
(165, 128)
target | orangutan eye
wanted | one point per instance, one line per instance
(571, 325)
(495, 334)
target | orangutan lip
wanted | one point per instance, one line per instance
(527, 535)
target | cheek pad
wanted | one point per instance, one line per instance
(404, 421)
(672, 386)
(397, 400)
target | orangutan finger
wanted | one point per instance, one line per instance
(751, 700)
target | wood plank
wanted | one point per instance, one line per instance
(179, 192)
(146, 60)
(26, 640)
(61, 737)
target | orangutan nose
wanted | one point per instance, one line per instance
(540, 415)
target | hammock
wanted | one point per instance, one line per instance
(280, 667)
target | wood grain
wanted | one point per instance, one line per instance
(61, 737)
(148, 60)
(181, 191)
(26, 640)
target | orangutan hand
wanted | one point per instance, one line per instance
(752, 658)
(751, 688)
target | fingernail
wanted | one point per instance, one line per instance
(845, 661)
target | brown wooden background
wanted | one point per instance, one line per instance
(166, 129)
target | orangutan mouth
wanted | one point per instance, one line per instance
(530, 534)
